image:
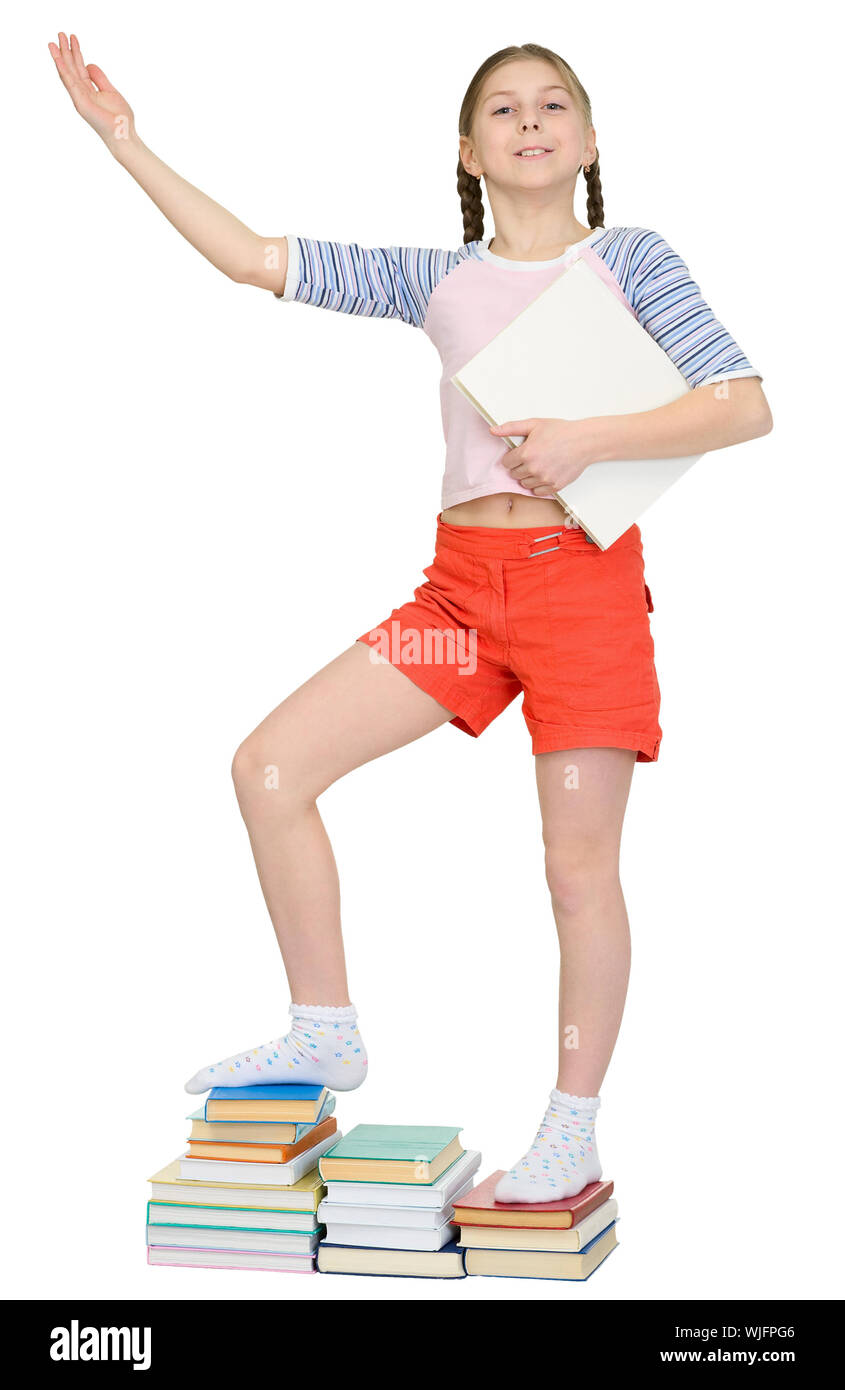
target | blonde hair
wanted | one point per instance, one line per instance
(469, 187)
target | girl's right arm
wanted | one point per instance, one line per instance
(231, 246)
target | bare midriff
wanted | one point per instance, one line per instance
(506, 509)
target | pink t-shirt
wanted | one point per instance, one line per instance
(461, 299)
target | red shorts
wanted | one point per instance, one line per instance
(538, 610)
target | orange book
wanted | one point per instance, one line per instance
(232, 1151)
(477, 1207)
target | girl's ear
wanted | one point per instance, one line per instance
(467, 157)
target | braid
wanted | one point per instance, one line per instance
(472, 205)
(595, 201)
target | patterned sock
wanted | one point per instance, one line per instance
(323, 1048)
(563, 1158)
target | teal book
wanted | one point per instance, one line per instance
(392, 1153)
(188, 1215)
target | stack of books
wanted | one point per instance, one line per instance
(544, 1240)
(389, 1205)
(246, 1193)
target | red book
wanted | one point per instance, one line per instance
(477, 1207)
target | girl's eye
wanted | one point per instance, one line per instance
(510, 108)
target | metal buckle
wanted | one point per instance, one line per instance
(537, 539)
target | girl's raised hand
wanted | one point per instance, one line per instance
(96, 100)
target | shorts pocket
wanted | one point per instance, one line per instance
(452, 585)
(626, 575)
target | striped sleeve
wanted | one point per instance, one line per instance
(391, 282)
(671, 307)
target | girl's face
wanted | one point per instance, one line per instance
(524, 105)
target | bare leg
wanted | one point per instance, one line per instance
(582, 828)
(351, 711)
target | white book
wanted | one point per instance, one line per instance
(391, 1237)
(575, 351)
(378, 1214)
(222, 1170)
(399, 1194)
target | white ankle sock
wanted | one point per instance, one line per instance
(323, 1048)
(563, 1158)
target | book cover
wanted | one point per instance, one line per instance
(604, 363)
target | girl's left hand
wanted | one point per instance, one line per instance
(555, 452)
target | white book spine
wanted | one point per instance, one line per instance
(283, 1174)
(391, 1238)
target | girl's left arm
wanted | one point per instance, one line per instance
(556, 452)
(708, 417)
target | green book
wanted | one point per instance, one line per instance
(392, 1153)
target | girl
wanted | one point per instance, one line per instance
(516, 598)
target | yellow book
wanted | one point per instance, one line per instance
(249, 1103)
(260, 1132)
(304, 1195)
(542, 1264)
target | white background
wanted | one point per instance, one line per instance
(209, 493)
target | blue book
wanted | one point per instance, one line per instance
(445, 1263)
(273, 1101)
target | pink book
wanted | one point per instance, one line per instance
(230, 1259)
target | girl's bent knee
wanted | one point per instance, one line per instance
(254, 771)
(261, 781)
(246, 766)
